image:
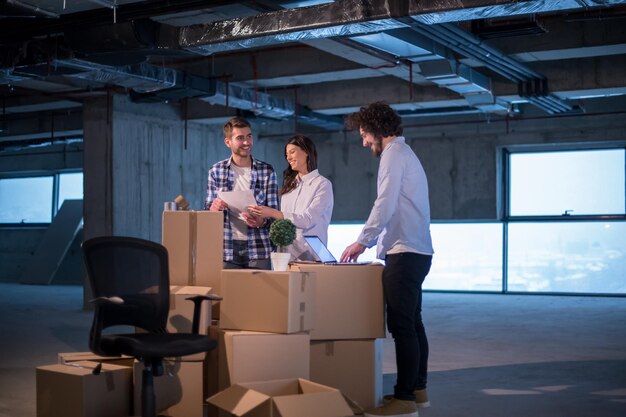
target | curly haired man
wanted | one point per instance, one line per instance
(399, 223)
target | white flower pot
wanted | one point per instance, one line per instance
(280, 261)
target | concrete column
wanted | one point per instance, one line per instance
(97, 174)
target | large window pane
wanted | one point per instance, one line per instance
(468, 257)
(26, 200)
(342, 235)
(70, 187)
(574, 257)
(581, 182)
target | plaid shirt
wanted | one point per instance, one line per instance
(265, 187)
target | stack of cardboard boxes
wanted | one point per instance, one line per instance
(296, 343)
(346, 341)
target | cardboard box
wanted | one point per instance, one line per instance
(350, 303)
(179, 391)
(254, 356)
(267, 301)
(181, 310)
(195, 243)
(353, 366)
(67, 358)
(211, 374)
(74, 391)
(282, 398)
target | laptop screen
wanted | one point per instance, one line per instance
(320, 249)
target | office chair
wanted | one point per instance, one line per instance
(130, 282)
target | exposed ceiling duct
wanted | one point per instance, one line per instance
(257, 102)
(143, 78)
(474, 86)
(355, 17)
(363, 19)
(341, 54)
(462, 42)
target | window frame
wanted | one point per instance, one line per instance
(54, 209)
(504, 162)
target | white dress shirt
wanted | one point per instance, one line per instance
(309, 206)
(400, 218)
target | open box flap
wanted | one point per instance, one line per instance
(238, 400)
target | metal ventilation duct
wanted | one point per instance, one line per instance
(7, 76)
(474, 86)
(531, 84)
(141, 77)
(341, 18)
(259, 103)
(356, 17)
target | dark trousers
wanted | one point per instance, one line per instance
(241, 260)
(403, 277)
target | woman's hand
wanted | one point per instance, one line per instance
(265, 212)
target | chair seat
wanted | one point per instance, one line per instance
(155, 345)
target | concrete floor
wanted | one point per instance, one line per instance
(491, 355)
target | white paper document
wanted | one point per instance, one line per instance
(238, 201)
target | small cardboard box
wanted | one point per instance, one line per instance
(194, 241)
(67, 358)
(179, 391)
(350, 303)
(74, 391)
(353, 366)
(282, 398)
(254, 356)
(267, 301)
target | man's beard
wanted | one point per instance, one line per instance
(377, 147)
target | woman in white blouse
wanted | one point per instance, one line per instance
(306, 196)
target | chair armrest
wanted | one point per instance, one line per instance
(197, 301)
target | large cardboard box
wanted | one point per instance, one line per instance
(349, 301)
(194, 241)
(282, 398)
(353, 366)
(74, 391)
(67, 358)
(179, 391)
(267, 301)
(254, 356)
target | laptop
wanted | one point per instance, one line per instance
(321, 253)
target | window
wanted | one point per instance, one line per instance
(564, 232)
(340, 235)
(70, 187)
(30, 200)
(468, 257)
(567, 257)
(26, 200)
(566, 224)
(570, 182)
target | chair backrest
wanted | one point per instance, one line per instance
(135, 270)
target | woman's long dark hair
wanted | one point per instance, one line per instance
(290, 177)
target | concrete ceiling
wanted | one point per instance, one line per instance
(278, 61)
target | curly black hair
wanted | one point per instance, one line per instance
(377, 118)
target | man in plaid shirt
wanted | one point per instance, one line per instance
(246, 239)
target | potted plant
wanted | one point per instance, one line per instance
(282, 234)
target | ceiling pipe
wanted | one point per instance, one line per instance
(35, 9)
